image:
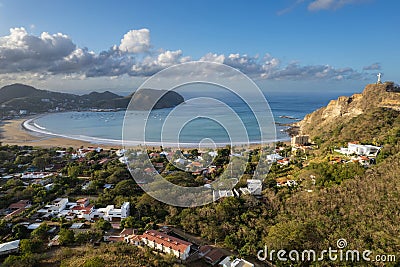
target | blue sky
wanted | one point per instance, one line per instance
(314, 43)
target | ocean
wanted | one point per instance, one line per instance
(199, 120)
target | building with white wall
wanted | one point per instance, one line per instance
(166, 243)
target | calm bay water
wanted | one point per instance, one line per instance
(95, 126)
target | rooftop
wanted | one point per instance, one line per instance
(166, 240)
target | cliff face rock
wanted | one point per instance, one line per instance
(344, 108)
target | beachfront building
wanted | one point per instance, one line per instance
(166, 243)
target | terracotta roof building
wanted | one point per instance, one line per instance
(166, 243)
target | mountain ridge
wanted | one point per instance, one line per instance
(17, 97)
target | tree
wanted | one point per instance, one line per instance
(126, 188)
(66, 236)
(40, 162)
(74, 171)
(31, 245)
(103, 225)
(41, 232)
(20, 231)
(4, 228)
(128, 222)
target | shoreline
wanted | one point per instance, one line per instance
(12, 132)
(22, 132)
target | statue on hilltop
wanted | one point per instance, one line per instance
(379, 78)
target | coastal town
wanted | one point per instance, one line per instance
(77, 196)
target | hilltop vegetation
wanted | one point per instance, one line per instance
(16, 97)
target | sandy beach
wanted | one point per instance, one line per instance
(12, 133)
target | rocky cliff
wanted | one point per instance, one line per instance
(342, 110)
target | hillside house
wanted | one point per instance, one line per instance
(166, 243)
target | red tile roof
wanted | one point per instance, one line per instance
(82, 200)
(214, 255)
(19, 205)
(166, 240)
(85, 210)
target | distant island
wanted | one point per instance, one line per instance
(20, 99)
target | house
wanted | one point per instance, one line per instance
(283, 162)
(210, 254)
(217, 194)
(76, 226)
(360, 150)
(17, 208)
(22, 204)
(82, 209)
(58, 205)
(274, 157)
(127, 235)
(110, 213)
(37, 175)
(300, 140)
(9, 247)
(166, 243)
(33, 226)
(227, 262)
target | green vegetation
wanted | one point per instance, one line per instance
(332, 198)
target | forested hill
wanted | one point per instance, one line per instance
(18, 97)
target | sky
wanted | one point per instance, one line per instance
(82, 46)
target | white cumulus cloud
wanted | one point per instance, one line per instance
(135, 41)
(25, 54)
(20, 51)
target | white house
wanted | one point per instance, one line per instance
(167, 244)
(361, 150)
(58, 205)
(110, 213)
(274, 157)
